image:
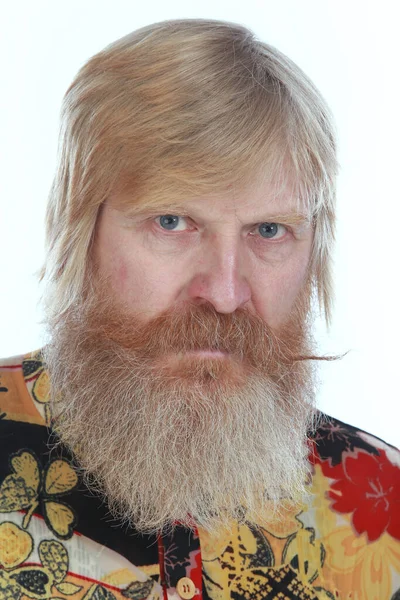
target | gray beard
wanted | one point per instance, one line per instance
(166, 449)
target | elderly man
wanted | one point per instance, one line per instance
(165, 442)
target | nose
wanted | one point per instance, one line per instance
(220, 276)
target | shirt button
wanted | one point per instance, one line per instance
(186, 588)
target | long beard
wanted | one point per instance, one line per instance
(170, 436)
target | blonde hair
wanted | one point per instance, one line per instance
(180, 109)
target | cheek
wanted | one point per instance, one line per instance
(129, 277)
(129, 281)
(279, 296)
(293, 286)
(137, 278)
(114, 262)
(121, 273)
(144, 284)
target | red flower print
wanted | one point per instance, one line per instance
(369, 487)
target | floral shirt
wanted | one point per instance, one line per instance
(58, 540)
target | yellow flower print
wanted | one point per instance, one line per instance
(54, 557)
(325, 518)
(32, 365)
(33, 370)
(29, 483)
(304, 554)
(41, 393)
(15, 545)
(354, 567)
(285, 523)
(233, 559)
(361, 569)
(20, 490)
(33, 582)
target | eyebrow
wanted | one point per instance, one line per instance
(294, 218)
(290, 218)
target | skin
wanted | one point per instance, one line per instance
(216, 254)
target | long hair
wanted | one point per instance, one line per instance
(179, 109)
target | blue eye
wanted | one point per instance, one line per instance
(270, 230)
(169, 221)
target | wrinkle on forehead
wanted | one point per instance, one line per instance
(254, 202)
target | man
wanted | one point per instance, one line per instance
(165, 442)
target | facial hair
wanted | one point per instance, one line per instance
(171, 436)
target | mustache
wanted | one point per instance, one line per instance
(188, 328)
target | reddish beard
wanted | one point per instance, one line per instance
(180, 342)
(168, 433)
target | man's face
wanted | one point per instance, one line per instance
(179, 378)
(246, 251)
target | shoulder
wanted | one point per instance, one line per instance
(336, 441)
(362, 477)
(23, 389)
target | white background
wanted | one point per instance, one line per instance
(348, 48)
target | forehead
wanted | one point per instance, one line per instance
(255, 202)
